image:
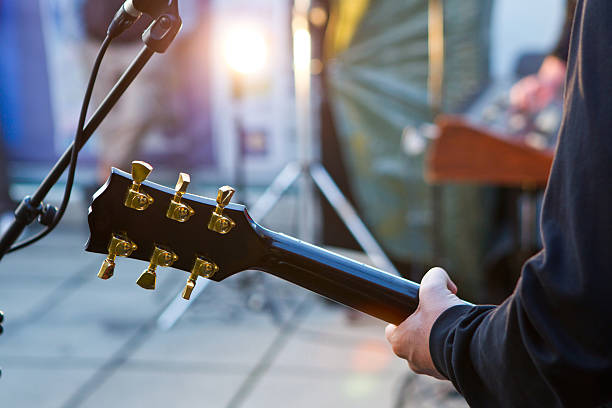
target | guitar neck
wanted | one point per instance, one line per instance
(362, 287)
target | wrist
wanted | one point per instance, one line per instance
(440, 337)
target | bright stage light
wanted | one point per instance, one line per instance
(245, 49)
(301, 49)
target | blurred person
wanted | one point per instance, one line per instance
(549, 343)
(141, 108)
(534, 92)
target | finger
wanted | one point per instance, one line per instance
(435, 277)
(451, 286)
(521, 92)
(389, 330)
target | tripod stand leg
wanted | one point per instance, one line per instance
(437, 238)
(173, 312)
(273, 193)
(349, 217)
(262, 206)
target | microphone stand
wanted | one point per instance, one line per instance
(157, 38)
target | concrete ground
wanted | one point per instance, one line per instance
(73, 340)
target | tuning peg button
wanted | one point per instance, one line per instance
(107, 270)
(118, 246)
(134, 198)
(218, 222)
(202, 268)
(160, 257)
(177, 210)
(224, 196)
(140, 171)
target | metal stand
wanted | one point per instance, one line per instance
(157, 38)
(306, 170)
(31, 207)
(436, 97)
(316, 173)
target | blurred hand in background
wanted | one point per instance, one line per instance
(534, 92)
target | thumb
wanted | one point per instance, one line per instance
(437, 280)
(389, 330)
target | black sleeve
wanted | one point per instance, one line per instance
(562, 47)
(550, 343)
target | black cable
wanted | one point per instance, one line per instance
(75, 150)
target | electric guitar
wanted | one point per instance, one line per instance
(214, 239)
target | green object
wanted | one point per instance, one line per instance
(378, 80)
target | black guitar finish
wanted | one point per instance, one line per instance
(247, 246)
(362, 287)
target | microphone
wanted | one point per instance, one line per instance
(131, 11)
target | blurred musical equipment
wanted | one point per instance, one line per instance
(465, 153)
(220, 239)
(508, 149)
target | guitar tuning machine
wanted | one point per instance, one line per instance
(135, 198)
(218, 222)
(177, 210)
(201, 267)
(118, 246)
(160, 257)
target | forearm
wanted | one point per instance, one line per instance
(481, 350)
(442, 337)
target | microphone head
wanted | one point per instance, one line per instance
(152, 7)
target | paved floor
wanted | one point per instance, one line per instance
(72, 340)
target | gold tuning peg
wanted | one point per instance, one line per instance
(135, 198)
(202, 268)
(160, 257)
(118, 246)
(140, 171)
(218, 222)
(224, 195)
(176, 210)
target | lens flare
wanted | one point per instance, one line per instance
(245, 49)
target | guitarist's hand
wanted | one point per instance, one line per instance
(410, 340)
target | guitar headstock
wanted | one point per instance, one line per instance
(204, 237)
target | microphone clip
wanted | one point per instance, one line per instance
(162, 31)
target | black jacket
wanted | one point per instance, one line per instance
(550, 343)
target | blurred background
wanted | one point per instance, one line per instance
(415, 128)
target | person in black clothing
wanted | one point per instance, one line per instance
(550, 343)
